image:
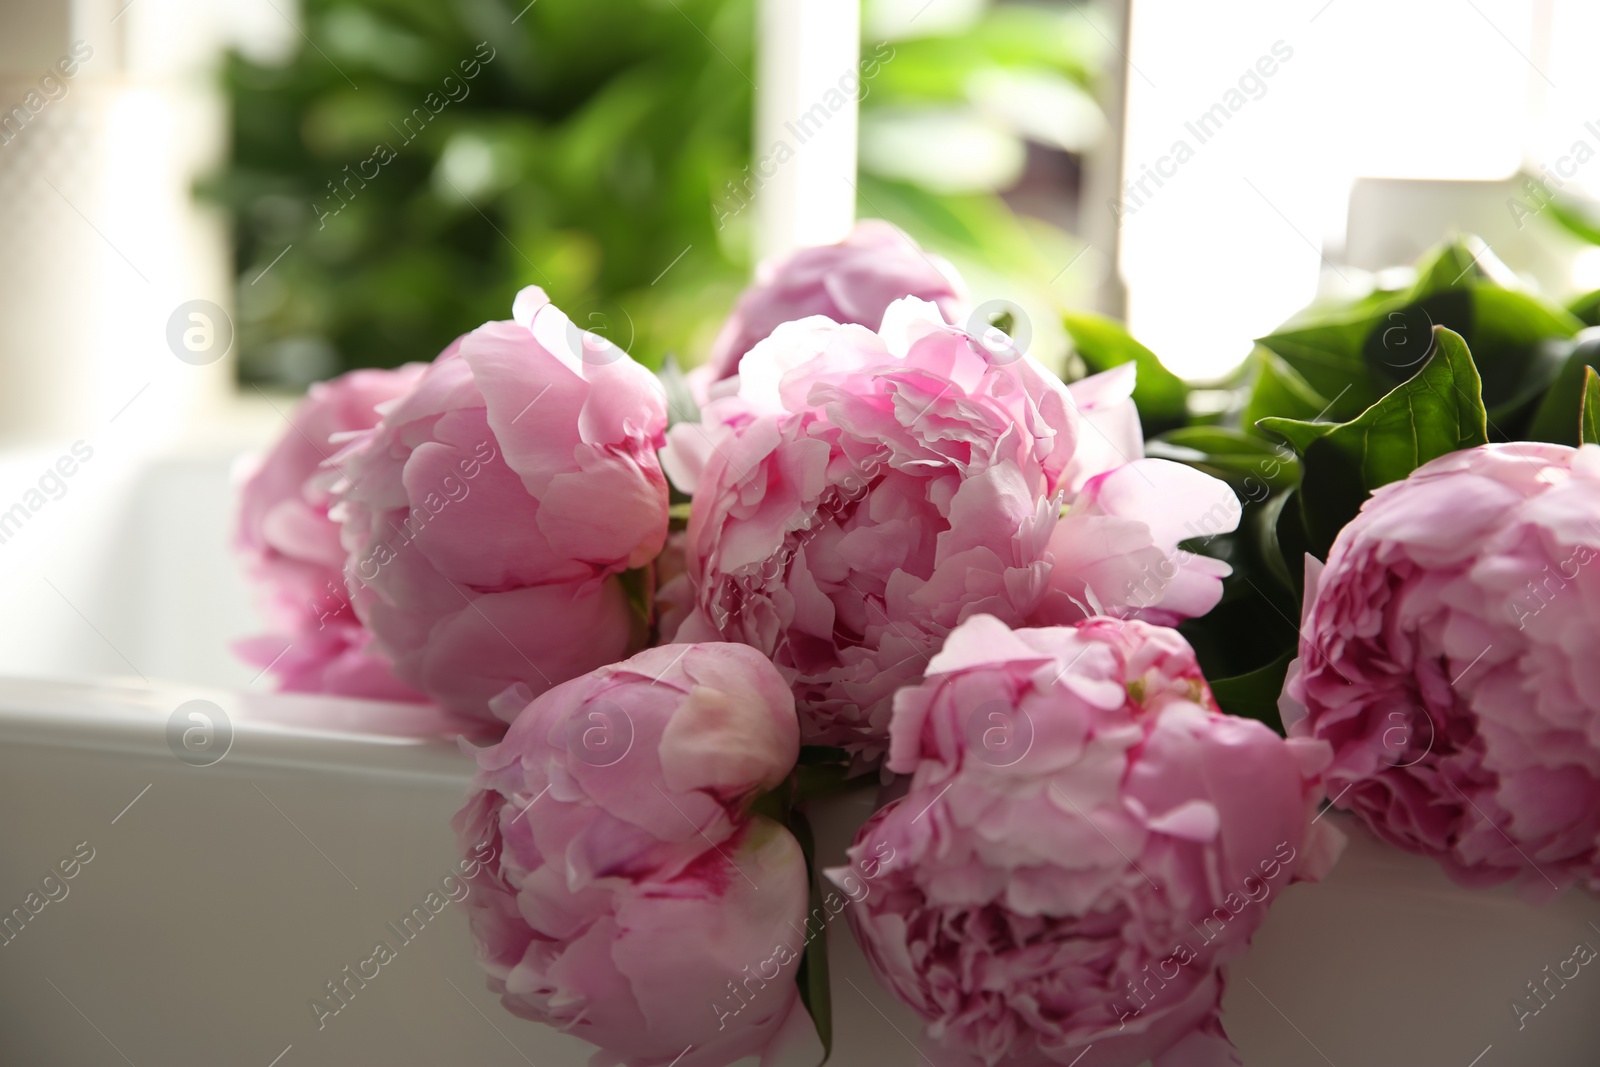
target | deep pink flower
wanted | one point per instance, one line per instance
(1449, 654)
(854, 280)
(290, 547)
(859, 494)
(488, 518)
(633, 899)
(1086, 841)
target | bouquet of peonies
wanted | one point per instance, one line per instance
(913, 559)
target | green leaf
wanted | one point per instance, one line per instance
(1438, 411)
(1284, 544)
(1355, 353)
(812, 782)
(1511, 348)
(824, 771)
(812, 755)
(1510, 333)
(1250, 626)
(1401, 338)
(1556, 419)
(1586, 308)
(1328, 355)
(1454, 264)
(1297, 432)
(1160, 395)
(1280, 390)
(1589, 421)
(1575, 221)
(1231, 455)
(812, 974)
(1254, 695)
(774, 803)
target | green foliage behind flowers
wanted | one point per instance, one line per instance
(1337, 362)
(576, 148)
(416, 162)
(1343, 399)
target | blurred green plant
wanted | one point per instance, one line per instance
(414, 163)
(581, 157)
(975, 94)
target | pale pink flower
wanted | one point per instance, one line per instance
(1085, 843)
(854, 280)
(1448, 653)
(489, 518)
(632, 898)
(859, 494)
(290, 547)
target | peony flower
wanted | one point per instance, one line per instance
(632, 898)
(1085, 843)
(674, 599)
(859, 494)
(1447, 653)
(488, 518)
(853, 281)
(290, 547)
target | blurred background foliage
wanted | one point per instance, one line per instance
(588, 154)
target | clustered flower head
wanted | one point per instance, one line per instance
(1448, 654)
(633, 895)
(853, 281)
(1085, 843)
(290, 545)
(488, 519)
(859, 494)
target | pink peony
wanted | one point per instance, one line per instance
(853, 281)
(1085, 843)
(633, 899)
(488, 518)
(859, 494)
(674, 599)
(1448, 653)
(290, 547)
